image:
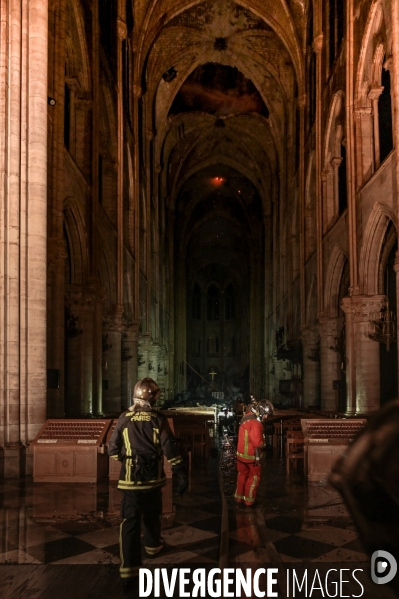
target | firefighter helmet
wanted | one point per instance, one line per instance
(147, 390)
(261, 408)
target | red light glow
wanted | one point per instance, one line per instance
(217, 180)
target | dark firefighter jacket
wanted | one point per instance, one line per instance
(250, 438)
(139, 441)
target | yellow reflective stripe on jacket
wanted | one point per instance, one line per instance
(128, 463)
(141, 485)
(253, 486)
(155, 436)
(246, 456)
(245, 442)
(176, 460)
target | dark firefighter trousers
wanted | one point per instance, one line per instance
(136, 505)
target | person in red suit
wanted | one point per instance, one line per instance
(250, 441)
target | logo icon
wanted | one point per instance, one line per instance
(383, 567)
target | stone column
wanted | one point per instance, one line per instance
(153, 357)
(311, 366)
(23, 225)
(56, 329)
(374, 95)
(98, 352)
(112, 362)
(365, 149)
(129, 362)
(80, 303)
(161, 371)
(364, 353)
(330, 362)
(144, 345)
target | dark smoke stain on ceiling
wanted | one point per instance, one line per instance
(219, 90)
(201, 15)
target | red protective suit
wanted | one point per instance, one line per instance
(250, 440)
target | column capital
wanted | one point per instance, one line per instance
(132, 330)
(318, 43)
(363, 112)
(375, 92)
(113, 321)
(144, 342)
(328, 326)
(83, 296)
(363, 308)
(336, 161)
(309, 333)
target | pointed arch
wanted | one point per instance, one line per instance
(333, 130)
(370, 255)
(335, 269)
(76, 238)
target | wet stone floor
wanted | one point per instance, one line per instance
(45, 525)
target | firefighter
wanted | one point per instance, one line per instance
(141, 437)
(250, 441)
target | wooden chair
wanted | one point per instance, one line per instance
(294, 448)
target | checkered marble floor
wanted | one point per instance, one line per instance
(79, 524)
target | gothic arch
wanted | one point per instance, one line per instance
(334, 127)
(370, 255)
(77, 241)
(76, 47)
(280, 22)
(333, 281)
(364, 77)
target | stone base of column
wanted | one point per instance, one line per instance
(14, 461)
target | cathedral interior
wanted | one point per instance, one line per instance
(201, 192)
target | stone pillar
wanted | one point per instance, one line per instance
(374, 95)
(23, 225)
(80, 303)
(129, 362)
(112, 363)
(365, 149)
(363, 353)
(144, 345)
(153, 357)
(311, 366)
(98, 352)
(56, 329)
(161, 372)
(330, 362)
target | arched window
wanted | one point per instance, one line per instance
(385, 115)
(213, 307)
(196, 303)
(196, 347)
(230, 303)
(212, 345)
(336, 23)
